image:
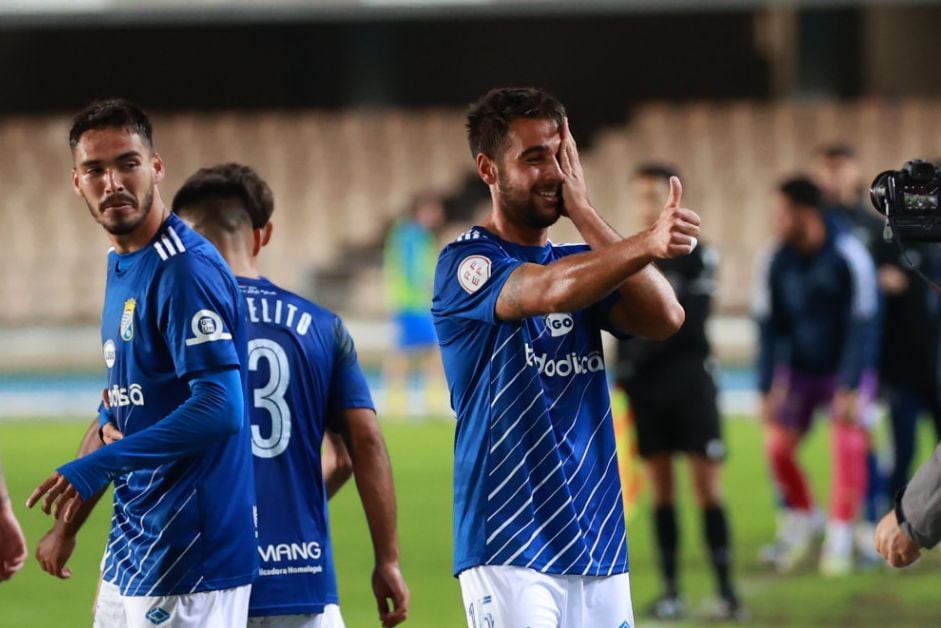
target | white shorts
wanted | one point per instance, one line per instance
(227, 608)
(501, 596)
(329, 618)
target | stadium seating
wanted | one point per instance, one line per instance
(340, 177)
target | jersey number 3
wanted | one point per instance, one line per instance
(270, 397)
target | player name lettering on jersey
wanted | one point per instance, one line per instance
(276, 552)
(119, 396)
(571, 364)
(265, 310)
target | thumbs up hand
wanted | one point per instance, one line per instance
(676, 231)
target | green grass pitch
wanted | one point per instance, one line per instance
(421, 455)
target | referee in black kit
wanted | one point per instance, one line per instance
(672, 395)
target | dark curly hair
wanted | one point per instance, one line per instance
(113, 113)
(488, 119)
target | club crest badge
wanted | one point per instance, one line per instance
(127, 320)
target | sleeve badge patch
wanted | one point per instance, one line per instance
(473, 273)
(207, 327)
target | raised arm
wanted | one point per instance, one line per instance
(649, 307)
(373, 474)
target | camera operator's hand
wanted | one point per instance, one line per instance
(846, 406)
(676, 231)
(898, 549)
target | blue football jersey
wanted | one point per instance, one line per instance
(536, 480)
(172, 309)
(302, 369)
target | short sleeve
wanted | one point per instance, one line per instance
(469, 278)
(197, 313)
(601, 314)
(348, 388)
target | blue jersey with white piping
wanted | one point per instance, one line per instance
(536, 479)
(302, 371)
(172, 312)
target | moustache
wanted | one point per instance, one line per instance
(118, 200)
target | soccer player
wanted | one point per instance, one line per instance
(409, 255)
(182, 542)
(539, 528)
(12, 541)
(816, 305)
(673, 400)
(305, 380)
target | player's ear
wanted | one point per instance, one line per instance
(487, 169)
(159, 171)
(75, 186)
(266, 233)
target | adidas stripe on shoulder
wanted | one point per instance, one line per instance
(169, 244)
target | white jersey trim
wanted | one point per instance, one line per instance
(169, 245)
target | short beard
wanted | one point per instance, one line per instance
(519, 207)
(126, 228)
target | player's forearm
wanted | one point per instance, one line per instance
(571, 283)
(90, 442)
(373, 473)
(335, 463)
(596, 231)
(649, 307)
(71, 527)
(213, 412)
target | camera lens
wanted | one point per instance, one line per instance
(879, 189)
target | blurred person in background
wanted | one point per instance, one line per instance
(845, 193)
(306, 382)
(409, 256)
(846, 202)
(816, 303)
(909, 364)
(12, 542)
(539, 531)
(673, 402)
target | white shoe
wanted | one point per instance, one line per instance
(836, 557)
(795, 540)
